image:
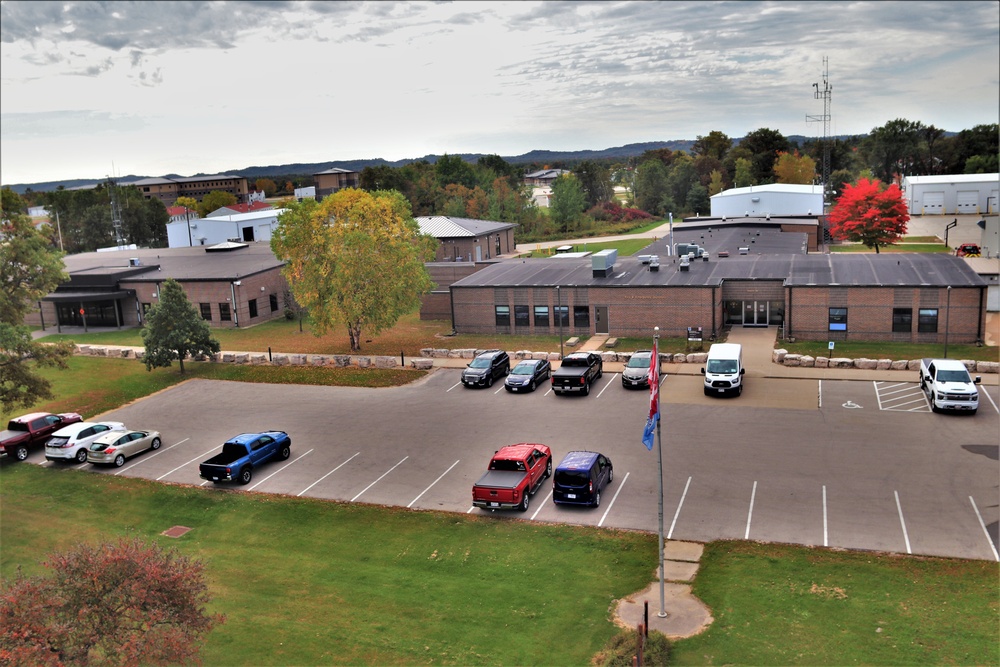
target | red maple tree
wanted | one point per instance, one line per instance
(866, 213)
(122, 603)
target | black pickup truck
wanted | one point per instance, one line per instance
(577, 372)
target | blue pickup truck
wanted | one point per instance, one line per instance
(244, 452)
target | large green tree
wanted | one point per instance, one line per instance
(764, 145)
(595, 179)
(356, 260)
(567, 203)
(715, 145)
(29, 269)
(651, 186)
(215, 200)
(870, 214)
(174, 329)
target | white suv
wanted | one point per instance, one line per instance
(71, 442)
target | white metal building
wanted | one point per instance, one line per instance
(963, 194)
(253, 226)
(764, 200)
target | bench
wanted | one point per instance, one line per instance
(611, 342)
(573, 342)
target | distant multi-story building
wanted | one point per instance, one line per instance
(333, 179)
(167, 190)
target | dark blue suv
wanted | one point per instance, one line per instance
(580, 478)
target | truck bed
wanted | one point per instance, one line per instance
(501, 479)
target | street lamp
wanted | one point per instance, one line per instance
(559, 315)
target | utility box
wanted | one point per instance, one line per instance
(603, 262)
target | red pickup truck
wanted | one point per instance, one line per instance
(33, 429)
(515, 472)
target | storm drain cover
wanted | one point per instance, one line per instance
(176, 531)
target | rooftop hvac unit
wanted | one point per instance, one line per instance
(133, 261)
(603, 262)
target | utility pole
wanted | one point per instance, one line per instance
(826, 94)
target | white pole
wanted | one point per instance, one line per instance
(659, 461)
(671, 235)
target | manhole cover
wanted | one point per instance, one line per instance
(176, 531)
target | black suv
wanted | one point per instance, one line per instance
(485, 368)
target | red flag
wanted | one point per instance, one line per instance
(654, 381)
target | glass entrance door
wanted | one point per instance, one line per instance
(755, 314)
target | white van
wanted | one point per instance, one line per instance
(724, 370)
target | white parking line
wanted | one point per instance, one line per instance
(327, 475)
(821, 393)
(380, 478)
(279, 470)
(987, 395)
(153, 455)
(434, 482)
(610, 382)
(878, 396)
(902, 523)
(499, 389)
(188, 463)
(679, 506)
(753, 494)
(890, 389)
(826, 536)
(612, 503)
(982, 524)
(541, 506)
(457, 384)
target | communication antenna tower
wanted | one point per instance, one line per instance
(826, 94)
(116, 214)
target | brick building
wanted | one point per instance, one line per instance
(167, 190)
(231, 284)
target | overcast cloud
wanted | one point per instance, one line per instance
(90, 89)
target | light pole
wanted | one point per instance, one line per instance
(659, 460)
(947, 321)
(559, 315)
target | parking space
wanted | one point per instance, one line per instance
(788, 461)
(901, 396)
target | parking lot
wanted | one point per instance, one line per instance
(811, 462)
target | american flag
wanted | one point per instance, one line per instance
(654, 397)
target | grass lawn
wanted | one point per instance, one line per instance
(899, 247)
(876, 350)
(307, 582)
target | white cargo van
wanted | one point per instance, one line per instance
(724, 370)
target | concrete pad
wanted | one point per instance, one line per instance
(677, 571)
(686, 615)
(683, 551)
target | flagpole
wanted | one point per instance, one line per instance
(659, 460)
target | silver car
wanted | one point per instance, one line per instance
(114, 448)
(70, 442)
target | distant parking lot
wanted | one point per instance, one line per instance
(799, 461)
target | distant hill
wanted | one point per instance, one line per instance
(308, 168)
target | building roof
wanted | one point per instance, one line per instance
(443, 227)
(178, 210)
(547, 173)
(182, 264)
(158, 180)
(241, 208)
(783, 188)
(946, 179)
(335, 170)
(848, 270)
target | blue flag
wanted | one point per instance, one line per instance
(647, 434)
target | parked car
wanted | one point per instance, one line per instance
(577, 372)
(636, 371)
(70, 443)
(485, 368)
(528, 374)
(114, 447)
(34, 429)
(242, 453)
(514, 473)
(580, 477)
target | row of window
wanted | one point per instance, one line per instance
(902, 320)
(225, 313)
(560, 316)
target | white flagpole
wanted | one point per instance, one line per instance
(659, 461)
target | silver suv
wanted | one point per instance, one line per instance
(485, 368)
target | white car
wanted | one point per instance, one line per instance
(70, 442)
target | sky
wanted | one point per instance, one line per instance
(96, 89)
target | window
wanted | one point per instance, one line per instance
(145, 307)
(274, 302)
(522, 316)
(542, 317)
(498, 245)
(253, 307)
(927, 320)
(503, 316)
(838, 319)
(224, 312)
(206, 311)
(581, 317)
(902, 320)
(562, 315)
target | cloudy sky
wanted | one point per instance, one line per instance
(91, 89)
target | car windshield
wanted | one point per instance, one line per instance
(953, 376)
(639, 362)
(722, 366)
(523, 369)
(480, 362)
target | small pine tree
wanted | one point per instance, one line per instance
(174, 329)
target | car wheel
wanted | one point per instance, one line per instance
(523, 507)
(155, 444)
(245, 476)
(586, 389)
(739, 390)
(597, 499)
(119, 460)
(286, 451)
(708, 392)
(548, 469)
(81, 455)
(489, 381)
(611, 475)
(600, 373)
(531, 386)
(506, 371)
(21, 453)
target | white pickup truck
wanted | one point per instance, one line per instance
(949, 385)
